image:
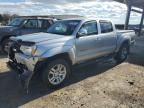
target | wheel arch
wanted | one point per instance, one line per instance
(40, 65)
(126, 42)
(64, 56)
(122, 42)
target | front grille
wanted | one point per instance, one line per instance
(15, 47)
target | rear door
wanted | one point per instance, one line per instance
(108, 37)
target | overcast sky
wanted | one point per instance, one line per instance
(89, 8)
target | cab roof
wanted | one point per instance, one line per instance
(34, 17)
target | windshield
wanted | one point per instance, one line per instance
(16, 22)
(66, 27)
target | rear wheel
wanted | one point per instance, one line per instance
(56, 73)
(122, 54)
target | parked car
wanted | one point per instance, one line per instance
(22, 25)
(67, 43)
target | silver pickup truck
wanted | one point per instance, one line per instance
(66, 43)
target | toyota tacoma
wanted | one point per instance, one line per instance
(67, 43)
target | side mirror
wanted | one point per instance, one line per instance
(82, 32)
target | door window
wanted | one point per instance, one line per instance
(89, 28)
(44, 24)
(106, 27)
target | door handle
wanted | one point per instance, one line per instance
(98, 39)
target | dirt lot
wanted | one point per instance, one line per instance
(103, 85)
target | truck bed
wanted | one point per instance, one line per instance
(125, 31)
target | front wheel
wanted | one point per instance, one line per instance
(122, 55)
(56, 73)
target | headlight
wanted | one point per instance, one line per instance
(29, 50)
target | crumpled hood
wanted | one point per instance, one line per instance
(7, 28)
(40, 38)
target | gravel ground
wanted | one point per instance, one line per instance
(102, 85)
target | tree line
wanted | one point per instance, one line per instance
(4, 18)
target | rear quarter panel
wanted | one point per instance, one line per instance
(124, 36)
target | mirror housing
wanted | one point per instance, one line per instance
(82, 32)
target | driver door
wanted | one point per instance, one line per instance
(86, 44)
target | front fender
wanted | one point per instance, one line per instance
(60, 50)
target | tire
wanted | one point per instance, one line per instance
(122, 55)
(51, 75)
(5, 46)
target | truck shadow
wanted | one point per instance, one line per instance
(13, 96)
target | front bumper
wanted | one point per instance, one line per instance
(24, 66)
(29, 62)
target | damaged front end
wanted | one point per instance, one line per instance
(24, 75)
(22, 64)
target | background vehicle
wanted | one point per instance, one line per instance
(66, 43)
(23, 25)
